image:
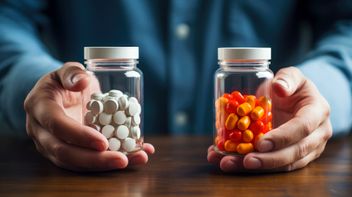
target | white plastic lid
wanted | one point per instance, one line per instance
(111, 53)
(251, 53)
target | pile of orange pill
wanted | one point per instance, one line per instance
(240, 121)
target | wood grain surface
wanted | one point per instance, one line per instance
(179, 168)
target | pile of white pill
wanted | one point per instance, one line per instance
(117, 117)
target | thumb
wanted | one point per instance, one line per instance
(287, 81)
(73, 76)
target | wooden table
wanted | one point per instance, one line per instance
(179, 168)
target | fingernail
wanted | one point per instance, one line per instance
(100, 146)
(253, 163)
(229, 166)
(77, 77)
(115, 164)
(265, 146)
(283, 83)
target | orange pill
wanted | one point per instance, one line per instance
(231, 121)
(267, 117)
(265, 103)
(251, 100)
(244, 109)
(257, 127)
(243, 123)
(244, 148)
(220, 104)
(238, 96)
(267, 127)
(247, 136)
(220, 145)
(256, 139)
(257, 113)
(230, 146)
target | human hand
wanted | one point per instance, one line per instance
(54, 122)
(301, 128)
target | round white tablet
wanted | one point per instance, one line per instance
(128, 122)
(133, 100)
(136, 132)
(111, 106)
(123, 102)
(107, 131)
(115, 93)
(114, 144)
(96, 107)
(129, 144)
(89, 104)
(119, 117)
(97, 96)
(89, 118)
(104, 118)
(136, 120)
(134, 109)
(121, 132)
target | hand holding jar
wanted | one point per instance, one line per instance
(301, 125)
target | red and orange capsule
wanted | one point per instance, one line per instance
(241, 120)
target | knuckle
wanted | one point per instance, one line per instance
(281, 140)
(59, 152)
(302, 150)
(328, 132)
(306, 126)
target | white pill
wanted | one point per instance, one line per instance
(107, 97)
(107, 131)
(115, 93)
(89, 104)
(136, 120)
(123, 102)
(114, 144)
(104, 118)
(96, 107)
(97, 96)
(121, 132)
(120, 117)
(133, 100)
(128, 122)
(134, 109)
(89, 118)
(111, 106)
(136, 132)
(129, 144)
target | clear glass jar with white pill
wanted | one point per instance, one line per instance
(242, 99)
(115, 106)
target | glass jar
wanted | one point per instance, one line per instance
(242, 99)
(114, 105)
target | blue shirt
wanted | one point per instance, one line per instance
(178, 42)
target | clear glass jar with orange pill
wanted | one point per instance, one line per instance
(242, 99)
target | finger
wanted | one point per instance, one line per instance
(138, 158)
(77, 158)
(51, 116)
(287, 81)
(73, 76)
(288, 155)
(306, 160)
(231, 164)
(302, 125)
(148, 148)
(214, 157)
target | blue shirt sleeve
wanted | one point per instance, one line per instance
(329, 64)
(23, 60)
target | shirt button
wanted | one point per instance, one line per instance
(182, 31)
(181, 119)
